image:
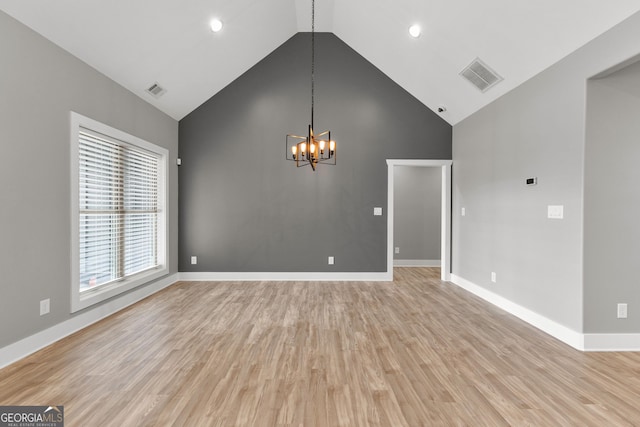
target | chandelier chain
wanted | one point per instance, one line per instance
(313, 55)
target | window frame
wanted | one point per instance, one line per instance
(81, 300)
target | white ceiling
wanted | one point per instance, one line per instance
(139, 42)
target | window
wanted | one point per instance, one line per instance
(118, 212)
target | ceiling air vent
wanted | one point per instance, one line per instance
(156, 90)
(480, 75)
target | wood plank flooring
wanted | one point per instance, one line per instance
(415, 352)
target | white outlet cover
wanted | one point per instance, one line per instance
(463, 211)
(194, 259)
(331, 260)
(377, 211)
(397, 250)
(44, 306)
(493, 277)
(622, 311)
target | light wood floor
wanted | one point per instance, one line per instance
(415, 352)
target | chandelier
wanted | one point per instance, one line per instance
(311, 149)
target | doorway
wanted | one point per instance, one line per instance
(445, 206)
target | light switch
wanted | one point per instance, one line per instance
(555, 211)
(377, 211)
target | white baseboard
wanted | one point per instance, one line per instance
(612, 342)
(18, 350)
(416, 263)
(556, 330)
(285, 276)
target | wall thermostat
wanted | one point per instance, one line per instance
(532, 181)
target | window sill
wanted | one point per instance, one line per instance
(82, 300)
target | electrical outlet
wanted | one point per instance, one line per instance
(463, 211)
(397, 250)
(377, 211)
(194, 259)
(493, 277)
(45, 306)
(331, 260)
(622, 311)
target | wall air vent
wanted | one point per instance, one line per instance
(156, 90)
(480, 75)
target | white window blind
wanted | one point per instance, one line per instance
(118, 209)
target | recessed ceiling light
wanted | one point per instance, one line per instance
(415, 31)
(216, 25)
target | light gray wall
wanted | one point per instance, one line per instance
(244, 208)
(416, 212)
(39, 85)
(538, 129)
(612, 202)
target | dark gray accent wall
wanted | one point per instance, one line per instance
(612, 202)
(243, 208)
(416, 212)
(39, 85)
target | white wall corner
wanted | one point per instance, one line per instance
(23, 348)
(551, 327)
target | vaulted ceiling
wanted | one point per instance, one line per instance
(140, 42)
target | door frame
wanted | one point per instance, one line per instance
(445, 217)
